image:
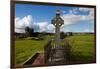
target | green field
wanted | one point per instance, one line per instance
(24, 48)
(82, 48)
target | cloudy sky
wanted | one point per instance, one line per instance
(76, 19)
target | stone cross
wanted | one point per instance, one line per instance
(57, 21)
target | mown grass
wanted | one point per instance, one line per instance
(24, 48)
(82, 48)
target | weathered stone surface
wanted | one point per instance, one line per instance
(57, 54)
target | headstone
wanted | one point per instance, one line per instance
(58, 52)
(57, 22)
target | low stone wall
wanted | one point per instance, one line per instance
(31, 59)
(47, 50)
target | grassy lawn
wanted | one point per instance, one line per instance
(24, 48)
(82, 48)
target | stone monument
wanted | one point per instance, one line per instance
(57, 22)
(57, 51)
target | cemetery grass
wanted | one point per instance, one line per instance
(82, 48)
(25, 48)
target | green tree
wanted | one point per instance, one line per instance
(29, 31)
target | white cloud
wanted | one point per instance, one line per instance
(21, 23)
(45, 26)
(50, 28)
(73, 11)
(72, 18)
(18, 23)
(88, 30)
(19, 30)
(64, 29)
(69, 18)
(90, 10)
(28, 20)
(84, 9)
(42, 26)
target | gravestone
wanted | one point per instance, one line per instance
(57, 22)
(57, 55)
